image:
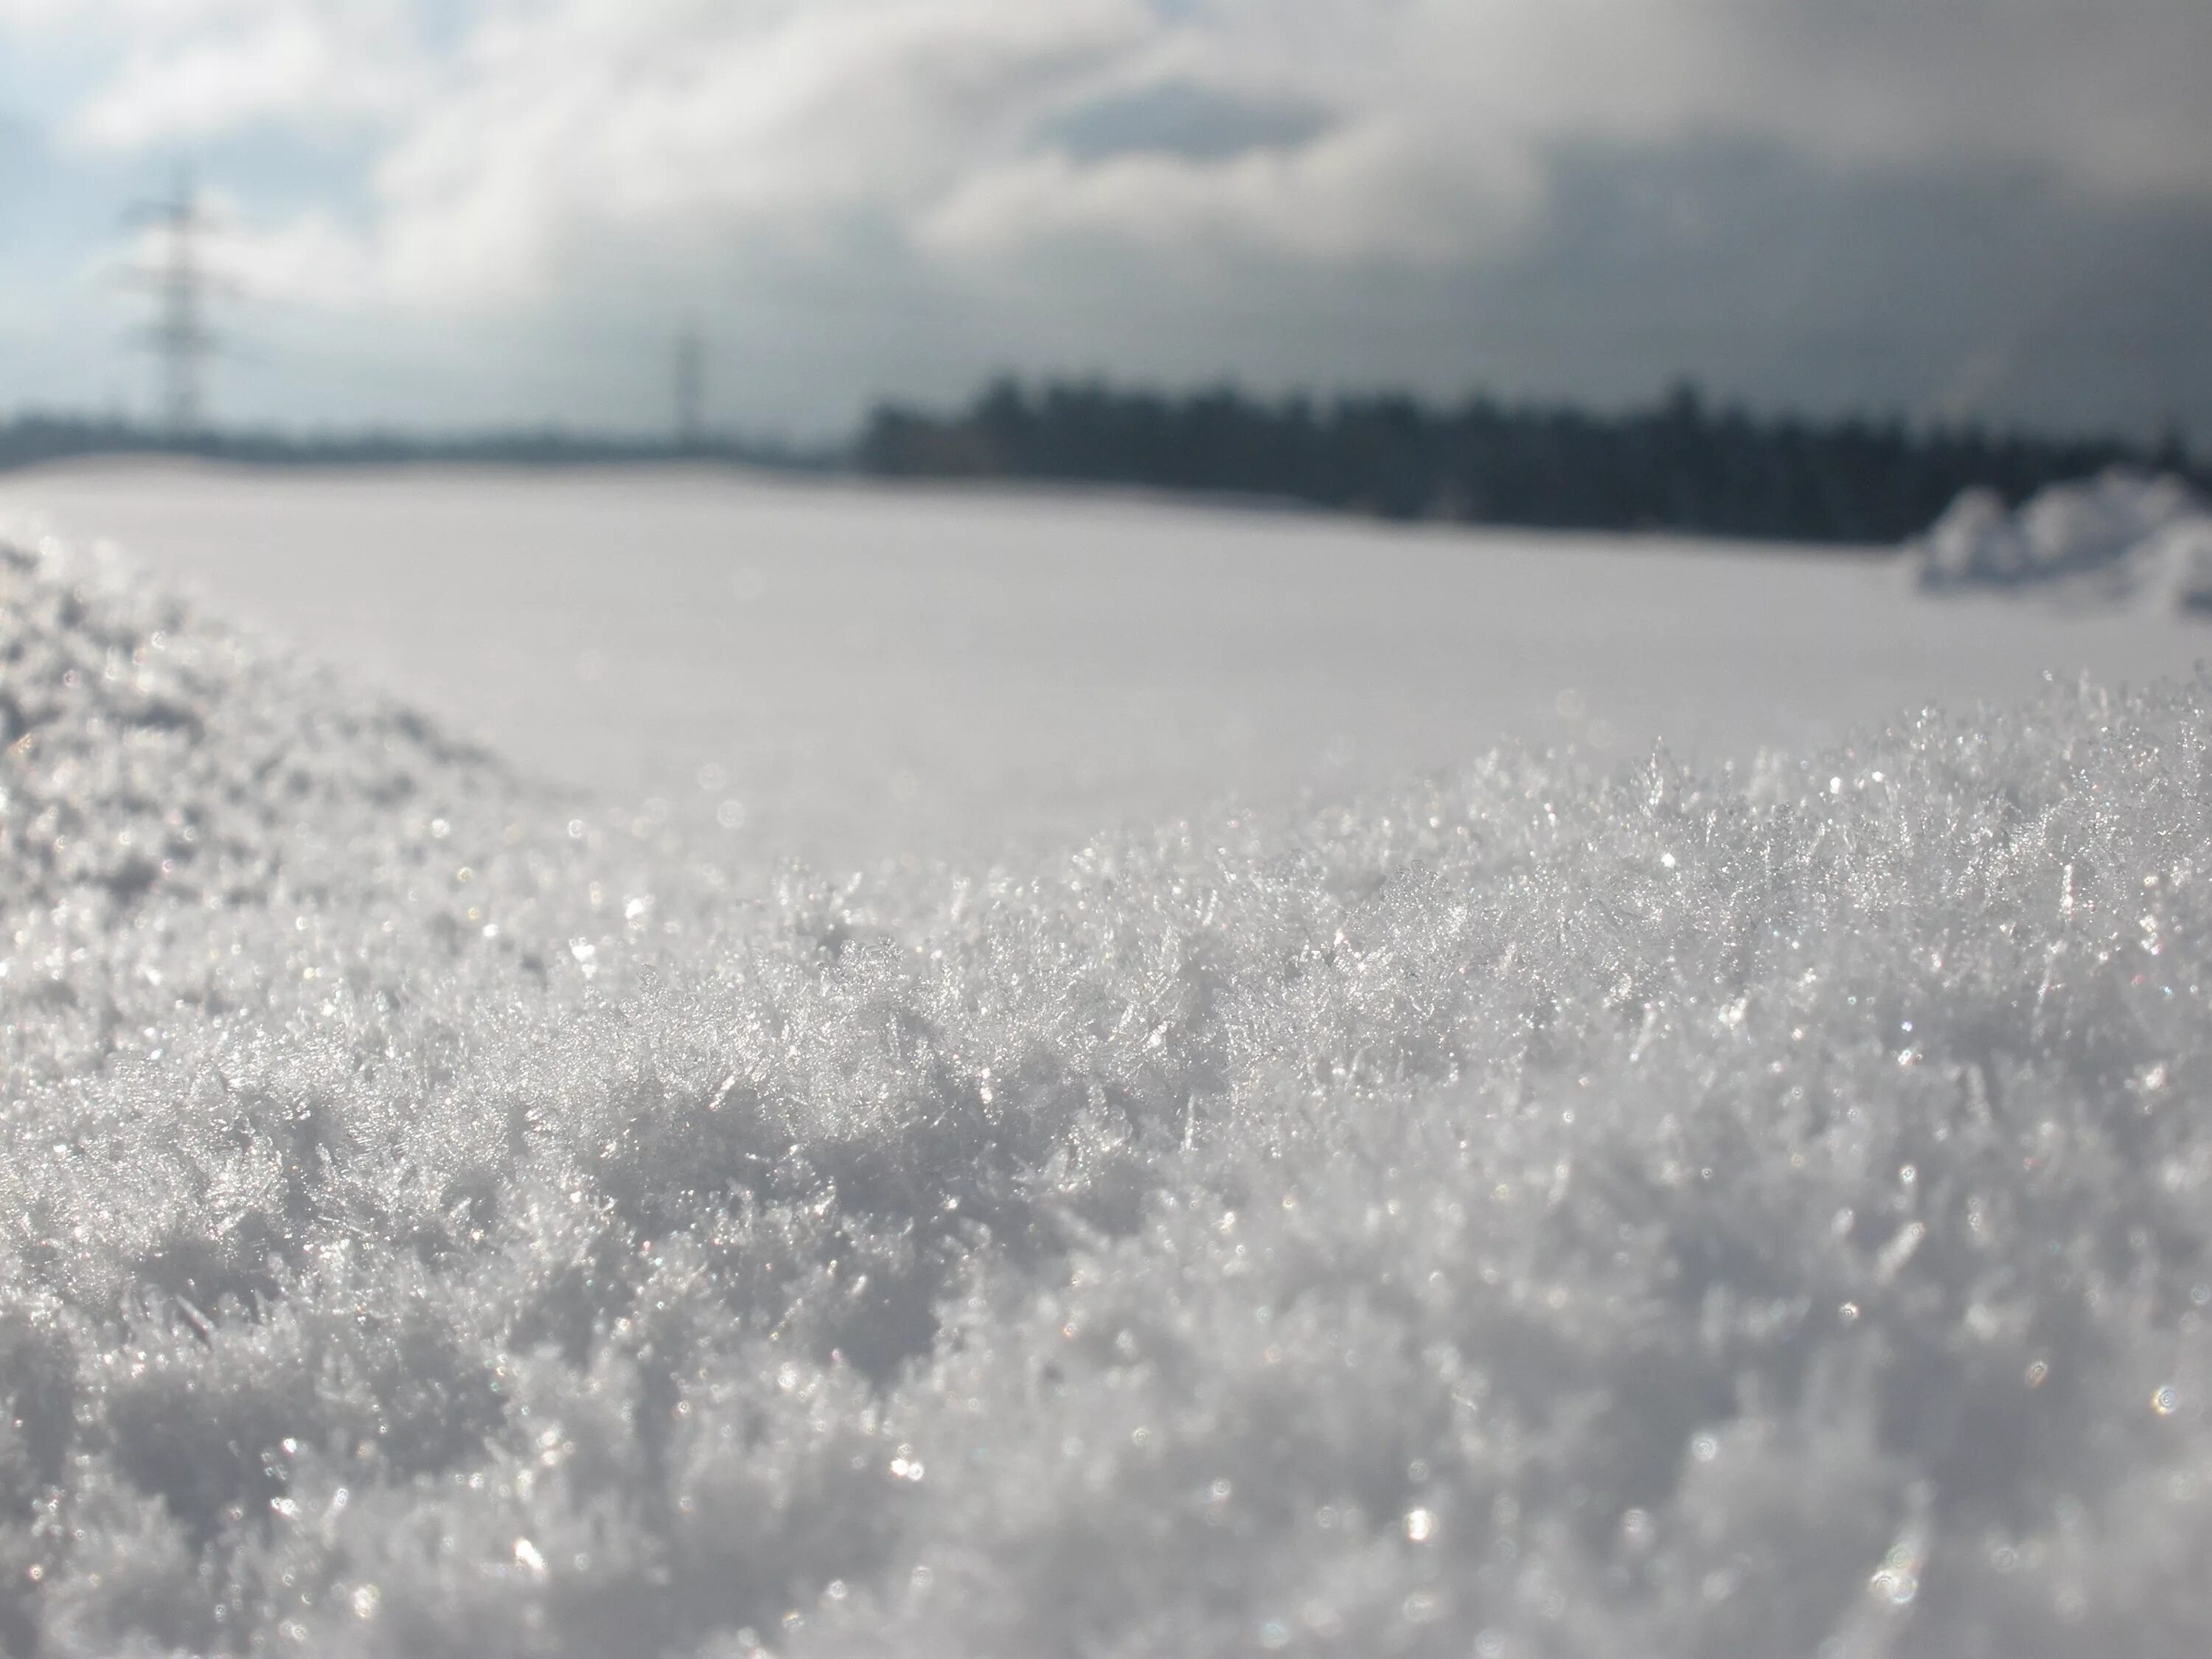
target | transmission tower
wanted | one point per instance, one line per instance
(690, 386)
(178, 335)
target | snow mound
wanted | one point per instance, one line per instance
(1532, 1213)
(2115, 537)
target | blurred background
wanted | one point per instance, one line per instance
(460, 214)
(715, 298)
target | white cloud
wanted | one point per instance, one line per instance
(1366, 192)
(175, 70)
(635, 121)
(510, 132)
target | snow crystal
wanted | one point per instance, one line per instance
(2115, 536)
(1531, 1212)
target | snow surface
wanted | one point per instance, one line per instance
(2115, 538)
(1542, 1210)
(865, 673)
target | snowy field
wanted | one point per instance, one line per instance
(1460, 1201)
(871, 672)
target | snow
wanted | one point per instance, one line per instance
(870, 673)
(1568, 1204)
(2115, 538)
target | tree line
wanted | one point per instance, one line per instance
(1682, 464)
(31, 439)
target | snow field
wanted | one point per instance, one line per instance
(850, 673)
(1530, 1212)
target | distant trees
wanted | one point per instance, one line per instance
(1682, 464)
(1679, 465)
(28, 440)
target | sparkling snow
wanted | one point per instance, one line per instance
(862, 673)
(1568, 1206)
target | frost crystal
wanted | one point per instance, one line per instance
(1530, 1213)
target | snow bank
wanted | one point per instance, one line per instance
(1530, 1213)
(2118, 536)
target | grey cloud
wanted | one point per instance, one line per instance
(2111, 91)
(1182, 118)
(1996, 291)
(1962, 289)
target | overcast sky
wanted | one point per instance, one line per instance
(458, 211)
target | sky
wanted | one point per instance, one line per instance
(479, 212)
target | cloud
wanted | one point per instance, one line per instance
(1346, 130)
(183, 71)
(1183, 118)
(1079, 159)
(1363, 193)
(2108, 93)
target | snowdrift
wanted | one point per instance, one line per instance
(1532, 1213)
(2116, 537)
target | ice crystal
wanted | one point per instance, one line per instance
(1532, 1212)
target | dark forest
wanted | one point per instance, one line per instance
(1683, 464)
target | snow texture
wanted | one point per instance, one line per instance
(1532, 1212)
(2114, 538)
(848, 672)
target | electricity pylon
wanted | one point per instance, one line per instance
(178, 335)
(690, 386)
